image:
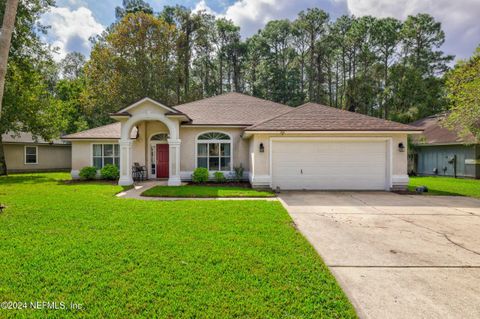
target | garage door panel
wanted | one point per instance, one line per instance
(329, 165)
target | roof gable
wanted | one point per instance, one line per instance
(143, 101)
(317, 117)
(435, 133)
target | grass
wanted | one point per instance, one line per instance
(127, 258)
(205, 191)
(447, 186)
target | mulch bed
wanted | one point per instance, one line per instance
(229, 183)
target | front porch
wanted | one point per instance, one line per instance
(149, 138)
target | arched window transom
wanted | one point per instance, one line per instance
(214, 136)
(214, 151)
(160, 137)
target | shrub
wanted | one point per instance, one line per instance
(200, 175)
(238, 173)
(110, 171)
(219, 177)
(88, 172)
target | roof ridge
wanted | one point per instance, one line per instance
(277, 116)
(227, 93)
(360, 114)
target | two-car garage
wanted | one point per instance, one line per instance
(316, 147)
(330, 164)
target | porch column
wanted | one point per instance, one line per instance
(174, 162)
(125, 163)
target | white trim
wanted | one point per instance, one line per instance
(261, 180)
(214, 141)
(147, 99)
(248, 133)
(25, 155)
(213, 126)
(388, 151)
(89, 139)
(400, 180)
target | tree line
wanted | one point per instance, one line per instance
(382, 67)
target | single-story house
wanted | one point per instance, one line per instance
(440, 151)
(308, 147)
(24, 153)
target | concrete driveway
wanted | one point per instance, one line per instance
(396, 256)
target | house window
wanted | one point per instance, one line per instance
(214, 151)
(31, 155)
(104, 154)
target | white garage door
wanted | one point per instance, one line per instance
(341, 164)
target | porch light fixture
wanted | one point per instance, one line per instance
(262, 148)
(401, 147)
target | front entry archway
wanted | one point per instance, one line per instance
(126, 156)
(162, 160)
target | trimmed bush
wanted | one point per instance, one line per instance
(200, 175)
(88, 172)
(110, 171)
(238, 173)
(219, 177)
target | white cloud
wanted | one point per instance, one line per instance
(202, 6)
(71, 29)
(459, 18)
(252, 15)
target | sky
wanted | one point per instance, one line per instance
(73, 22)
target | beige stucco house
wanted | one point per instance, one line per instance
(24, 153)
(308, 147)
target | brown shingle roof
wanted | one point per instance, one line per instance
(316, 117)
(435, 133)
(231, 109)
(27, 138)
(110, 131)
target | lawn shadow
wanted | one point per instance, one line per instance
(26, 179)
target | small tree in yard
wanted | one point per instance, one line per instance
(463, 86)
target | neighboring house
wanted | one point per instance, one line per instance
(440, 151)
(23, 153)
(307, 147)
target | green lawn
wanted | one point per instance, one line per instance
(205, 191)
(447, 186)
(127, 258)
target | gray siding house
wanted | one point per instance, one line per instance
(439, 151)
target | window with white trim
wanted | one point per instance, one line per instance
(214, 151)
(104, 154)
(31, 155)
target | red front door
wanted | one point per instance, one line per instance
(162, 160)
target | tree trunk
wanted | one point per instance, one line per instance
(5, 40)
(220, 84)
(3, 163)
(310, 74)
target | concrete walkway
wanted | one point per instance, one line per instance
(140, 187)
(396, 256)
